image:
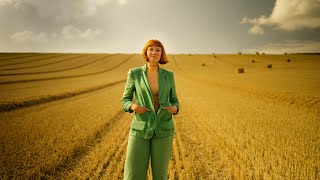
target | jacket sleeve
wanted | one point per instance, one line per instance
(129, 89)
(173, 99)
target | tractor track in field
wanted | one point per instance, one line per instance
(58, 70)
(41, 65)
(20, 56)
(176, 63)
(65, 77)
(113, 166)
(185, 144)
(13, 105)
(80, 152)
(178, 154)
(115, 152)
(308, 102)
(32, 60)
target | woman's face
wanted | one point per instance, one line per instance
(154, 54)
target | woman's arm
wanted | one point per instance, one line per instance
(127, 97)
(173, 99)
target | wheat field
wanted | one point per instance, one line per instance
(61, 118)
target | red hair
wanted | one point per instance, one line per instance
(157, 43)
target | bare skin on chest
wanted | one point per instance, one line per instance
(152, 77)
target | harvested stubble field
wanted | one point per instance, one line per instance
(61, 116)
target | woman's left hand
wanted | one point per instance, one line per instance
(171, 109)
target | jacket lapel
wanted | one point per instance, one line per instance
(144, 77)
(161, 84)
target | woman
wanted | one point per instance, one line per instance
(152, 128)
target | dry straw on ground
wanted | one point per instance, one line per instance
(61, 117)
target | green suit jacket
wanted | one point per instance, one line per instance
(160, 122)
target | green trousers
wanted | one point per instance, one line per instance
(140, 151)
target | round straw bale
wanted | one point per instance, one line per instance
(241, 70)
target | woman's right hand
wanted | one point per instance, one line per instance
(139, 109)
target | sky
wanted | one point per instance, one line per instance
(183, 26)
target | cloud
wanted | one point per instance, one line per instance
(62, 11)
(288, 15)
(292, 46)
(71, 32)
(28, 36)
(5, 2)
(122, 2)
(256, 29)
(68, 32)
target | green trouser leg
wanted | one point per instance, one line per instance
(140, 150)
(161, 149)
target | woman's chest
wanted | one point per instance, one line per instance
(153, 82)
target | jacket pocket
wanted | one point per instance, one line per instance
(166, 125)
(138, 125)
(166, 122)
(166, 115)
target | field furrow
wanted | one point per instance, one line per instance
(234, 132)
(10, 56)
(64, 58)
(58, 70)
(28, 102)
(305, 101)
(66, 76)
(78, 153)
(32, 60)
(41, 133)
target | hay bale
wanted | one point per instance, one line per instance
(239, 52)
(241, 70)
(257, 53)
(190, 54)
(203, 64)
(252, 61)
(288, 60)
(269, 66)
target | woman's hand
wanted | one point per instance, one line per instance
(139, 109)
(171, 109)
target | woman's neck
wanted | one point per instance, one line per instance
(153, 67)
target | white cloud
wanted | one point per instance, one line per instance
(122, 2)
(256, 30)
(292, 46)
(68, 32)
(71, 32)
(28, 36)
(288, 15)
(59, 10)
(5, 2)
